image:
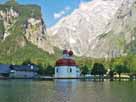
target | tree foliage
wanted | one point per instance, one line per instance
(50, 70)
(84, 70)
(46, 70)
(121, 69)
(98, 69)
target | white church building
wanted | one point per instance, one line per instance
(66, 67)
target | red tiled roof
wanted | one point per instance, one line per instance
(65, 62)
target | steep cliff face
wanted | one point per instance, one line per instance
(24, 20)
(99, 28)
(23, 34)
(8, 18)
(35, 32)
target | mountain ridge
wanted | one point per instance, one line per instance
(94, 30)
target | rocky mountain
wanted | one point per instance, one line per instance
(32, 25)
(8, 19)
(23, 34)
(99, 29)
(35, 32)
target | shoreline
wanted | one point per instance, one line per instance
(78, 78)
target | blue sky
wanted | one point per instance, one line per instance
(53, 10)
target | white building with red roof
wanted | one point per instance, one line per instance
(66, 67)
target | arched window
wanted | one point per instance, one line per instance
(70, 70)
(57, 70)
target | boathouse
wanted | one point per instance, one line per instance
(24, 71)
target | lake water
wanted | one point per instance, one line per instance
(66, 91)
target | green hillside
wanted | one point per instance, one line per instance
(2, 30)
(13, 52)
(15, 49)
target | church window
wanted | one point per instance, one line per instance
(70, 70)
(57, 70)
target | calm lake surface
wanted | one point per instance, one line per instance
(66, 91)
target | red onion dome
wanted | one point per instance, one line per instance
(71, 62)
(65, 52)
(66, 62)
(70, 53)
(62, 62)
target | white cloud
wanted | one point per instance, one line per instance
(58, 15)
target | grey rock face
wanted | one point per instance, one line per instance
(8, 18)
(33, 29)
(100, 28)
(35, 32)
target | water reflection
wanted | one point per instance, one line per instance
(66, 91)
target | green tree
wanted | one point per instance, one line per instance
(28, 61)
(111, 74)
(84, 70)
(98, 69)
(50, 70)
(41, 70)
(121, 69)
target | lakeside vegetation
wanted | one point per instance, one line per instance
(112, 69)
(125, 65)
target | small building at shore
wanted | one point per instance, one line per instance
(66, 66)
(24, 71)
(4, 70)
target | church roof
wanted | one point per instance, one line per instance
(66, 62)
